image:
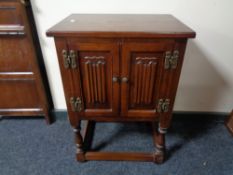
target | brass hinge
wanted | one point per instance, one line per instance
(69, 59)
(76, 104)
(163, 105)
(171, 59)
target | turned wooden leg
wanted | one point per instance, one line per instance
(159, 142)
(79, 143)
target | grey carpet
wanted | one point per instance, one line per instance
(195, 147)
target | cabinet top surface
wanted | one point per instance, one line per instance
(121, 25)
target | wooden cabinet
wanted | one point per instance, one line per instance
(22, 74)
(121, 68)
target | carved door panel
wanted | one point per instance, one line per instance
(96, 76)
(142, 71)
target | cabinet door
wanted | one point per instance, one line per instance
(142, 71)
(97, 68)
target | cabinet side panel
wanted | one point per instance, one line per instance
(67, 80)
(170, 82)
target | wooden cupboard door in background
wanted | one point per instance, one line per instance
(96, 77)
(141, 75)
(17, 96)
(23, 83)
(15, 55)
(10, 13)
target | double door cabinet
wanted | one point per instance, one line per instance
(117, 80)
(119, 76)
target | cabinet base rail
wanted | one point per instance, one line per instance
(84, 153)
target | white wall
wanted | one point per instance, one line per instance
(207, 76)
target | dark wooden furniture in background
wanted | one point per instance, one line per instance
(23, 83)
(118, 68)
(229, 122)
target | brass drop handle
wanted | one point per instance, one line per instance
(125, 80)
